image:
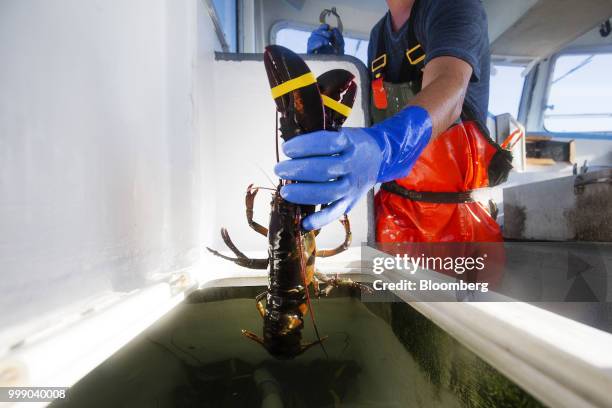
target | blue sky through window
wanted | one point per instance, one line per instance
(506, 87)
(580, 98)
(296, 40)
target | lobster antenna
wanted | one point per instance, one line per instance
(264, 188)
(266, 175)
(276, 136)
(303, 273)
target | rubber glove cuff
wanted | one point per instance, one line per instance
(401, 138)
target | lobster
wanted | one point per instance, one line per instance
(305, 104)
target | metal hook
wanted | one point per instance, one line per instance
(333, 12)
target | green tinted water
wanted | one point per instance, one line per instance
(380, 355)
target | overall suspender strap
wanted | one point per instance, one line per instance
(411, 66)
(379, 94)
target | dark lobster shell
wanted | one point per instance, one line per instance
(302, 109)
(305, 105)
(339, 85)
(292, 249)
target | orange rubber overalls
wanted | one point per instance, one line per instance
(433, 202)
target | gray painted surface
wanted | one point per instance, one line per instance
(549, 25)
(562, 209)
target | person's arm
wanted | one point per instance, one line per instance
(402, 137)
(445, 82)
(340, 167)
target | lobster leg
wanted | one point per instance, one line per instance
(259, 304)
(316, 287)
(344, 246)
(249, 200)
(306, 346)
(337, 282)
(245, 262)
(230, 244)
(241, 259)
(253, 336)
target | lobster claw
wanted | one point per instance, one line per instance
(295, 92)
(338, 90)
(252, 336)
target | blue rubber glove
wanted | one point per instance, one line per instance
(325, 41)
(340, 167)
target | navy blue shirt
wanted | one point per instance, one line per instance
(455, 28)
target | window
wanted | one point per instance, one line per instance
(580, 96)
(296, 40)
(505, 89)
(226, 19)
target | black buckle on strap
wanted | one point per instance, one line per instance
(460, 197)
(415, 55)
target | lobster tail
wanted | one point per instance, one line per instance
(295, 92)
(338, 90)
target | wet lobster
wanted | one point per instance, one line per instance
(305, 104)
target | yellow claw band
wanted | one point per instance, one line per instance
(293, 84)
(337, 106)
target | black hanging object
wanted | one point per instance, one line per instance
(605, 29)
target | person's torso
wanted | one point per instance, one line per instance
(400, 70)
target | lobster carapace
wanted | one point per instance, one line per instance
(305, 104)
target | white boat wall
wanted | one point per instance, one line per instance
(127, 140)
